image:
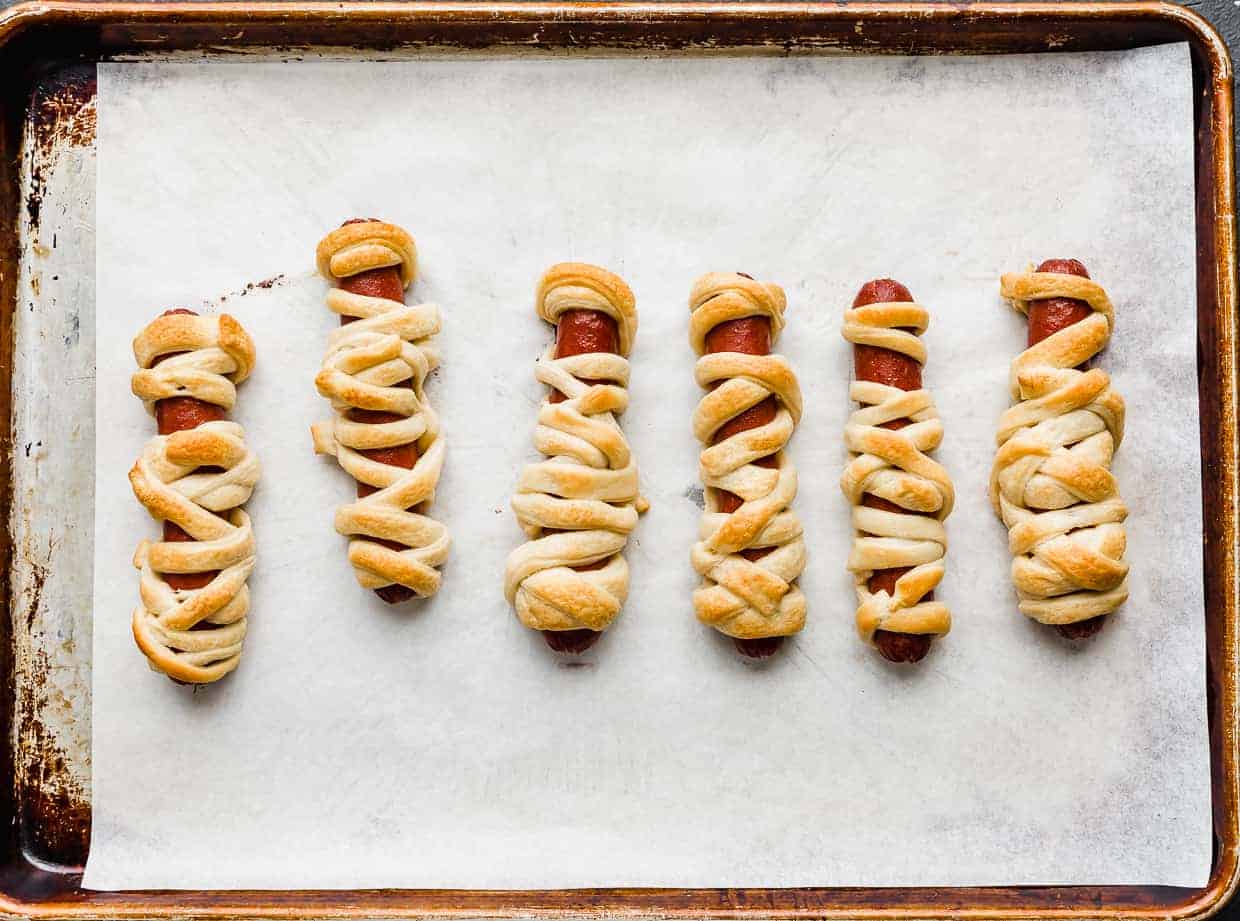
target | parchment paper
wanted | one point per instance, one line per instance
(440, 744)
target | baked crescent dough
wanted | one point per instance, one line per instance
(1051, 482)
(578, 506)
(379, 363)
(894, 465)
(194, 635)
(741, 597)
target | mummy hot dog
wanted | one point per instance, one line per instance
(1051, 482)
(750, 550)
(193, 477)
(577, 507)
(384, 432)
(899, 496)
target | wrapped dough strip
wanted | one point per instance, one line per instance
(179, 414)
(581, 501)
(579, 332)
(751, 336)
(1047, 317)
(751, 552)
(885, 366)
(385, 283)
(193, 477)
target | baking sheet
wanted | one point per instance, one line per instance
(440, 744)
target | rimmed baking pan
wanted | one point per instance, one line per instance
(47, 57)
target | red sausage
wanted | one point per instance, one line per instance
(578, 332)
(1056, 313)
(750, 336)
(385, 283)
(1045, 318)
(177, 414)
(884, 366)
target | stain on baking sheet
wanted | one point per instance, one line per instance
(38, 576)
(62, 112)
(75, 331)
(55, 812)
(54, 808)
(49, 767)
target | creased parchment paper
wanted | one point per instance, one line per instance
(440, 744)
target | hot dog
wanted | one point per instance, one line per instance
(577, 333)
(178, 414)
(1047, 317)
(751, 336)
(751, 549)
(385, 283)
(884, 366)
(194, 478)
(578, 504)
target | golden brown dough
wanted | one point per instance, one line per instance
(894, 465)
(195, 635)
(1051, 482)
(742, 597)
(579, 504)
(371, 364)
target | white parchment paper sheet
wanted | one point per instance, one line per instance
(441, 744)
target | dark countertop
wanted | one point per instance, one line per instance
(1225, 15)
